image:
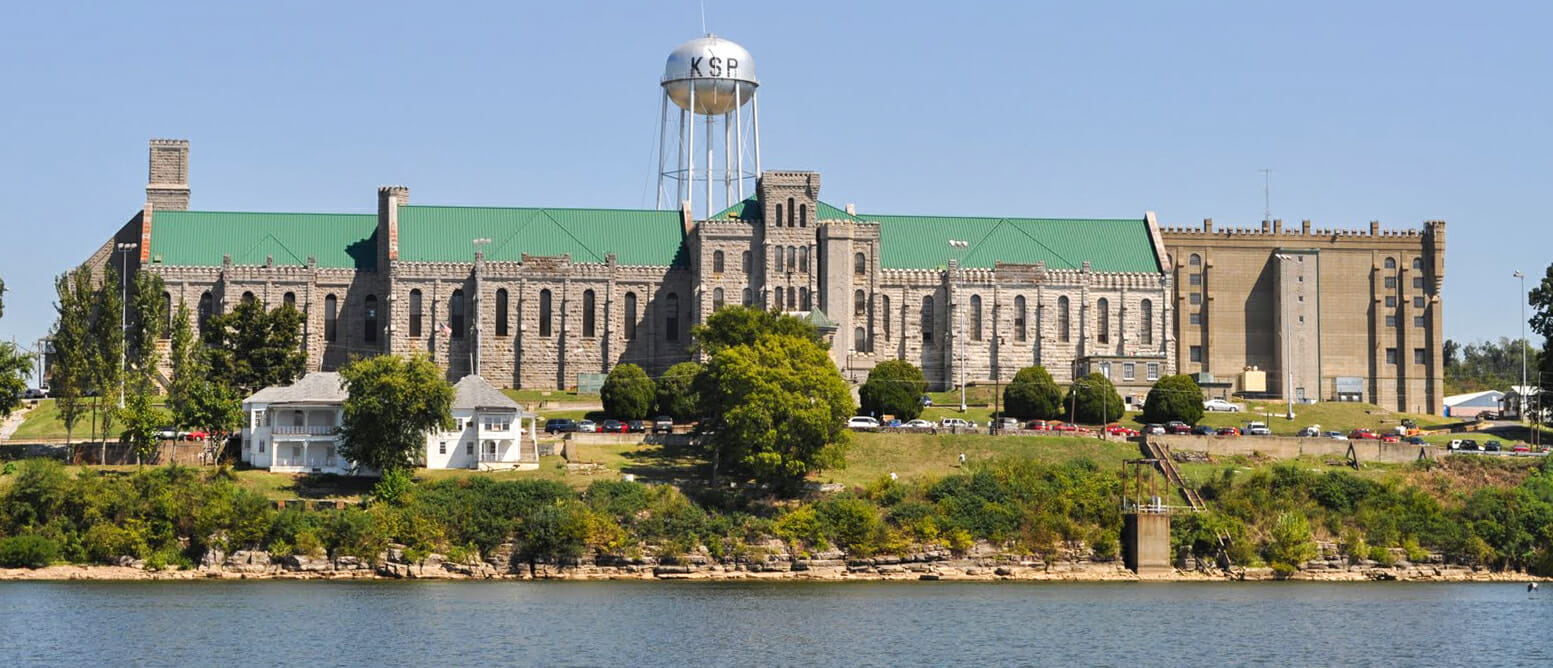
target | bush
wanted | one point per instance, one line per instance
(894, 387)
(852, 524)
(677, 397)
(1290, 544)
(628, 393)
(1174, 398)
(27, 551)
(105, 543)
(1033, 395)
(800, 527)
(1098, 402)
(394, 488)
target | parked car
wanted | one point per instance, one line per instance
(1006, 424)
(1037, 425)
(1310, 432)
(36, 393)
(613, 427)
(1229, 431)
(862, 422)
(1416, 440)
(1492, 446)
(1178, 427)
(1520, 448)
(956, 423)
(1154, 428)
(636, 426)
(196, 434)
(1336, 436)
(1363, 435)
(1067, 427)
(927, 400)
(587, 427)
(1204, 430)
(1464, 445)
(560, 425)
(1257, 429)
(168, 433)
(1116, 429)
(663, 424)
(1220, 405)
(918, 423)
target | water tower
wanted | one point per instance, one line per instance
(712, 80)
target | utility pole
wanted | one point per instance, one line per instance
(123, 250)
(1524, 390)
(960, 339)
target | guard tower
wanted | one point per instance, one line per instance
(709, 79)
(1145, 519)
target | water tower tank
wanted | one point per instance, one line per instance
(717, 73)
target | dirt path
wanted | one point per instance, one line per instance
(14, 422)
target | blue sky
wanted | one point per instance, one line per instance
(1398, 112)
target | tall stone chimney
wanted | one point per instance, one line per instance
(167, 188)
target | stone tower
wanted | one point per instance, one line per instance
(168, 186)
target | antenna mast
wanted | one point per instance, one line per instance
(1267, 193)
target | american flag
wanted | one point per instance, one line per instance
(445, 330)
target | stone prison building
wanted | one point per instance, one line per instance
(535, 297)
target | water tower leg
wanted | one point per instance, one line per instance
(663, 133)
(755, 121)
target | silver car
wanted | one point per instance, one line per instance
(1220, 405)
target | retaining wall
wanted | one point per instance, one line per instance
(1289, 447)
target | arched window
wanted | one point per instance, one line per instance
(1418, 263)
(289, 299)
(544, 313)
(331, 318)
(746, 300)
(884, 315)
(630, 315)
(744, 262)
(369, 319)
(792, 301)
(927, 319)
(1064, 333)
(776, 299)
(1019, 318)
(415, 313)
(859, 303)
(860, 264)
(860, 340)
(1148, 322)
(167, 314)
(803, 215)
(1195, 260)
(803, 298)
(456, 313)
(975, 317)
(803, 258)
(1391, 263)
(671, 323)
(589, 321)
(248, 297)
(790, 212)
(778, 259)
(501, 312)
(779, 215)
(792, 258)
(717, 262)
(717, 299)
(1104, 317)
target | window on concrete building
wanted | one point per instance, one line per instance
(331, 317)
(1019, 318)
(927, 319)
(1391, 321)
(456, 313)
(1148, 322)
(803, 258)
(776, 299)
(1195, 353)
(744, 261)
(717, 299)
(1195, 260)
(779, 215)
(671, 323)
(860, 340)
(803, 300)
(1128, 370)
(630, 315)
(1105, 369)
(1104, 316)
(717, 262)
(1195, 298)
(1418, 302)
(792, 258)
(469, 448)
(442, 448)
(975, 317)
(289, 299)
(545, 312)
(1064, 331)
(777, 266)
(1153, 371)
(746, 301)
(167, 315)
(803, 215)
(884, 314)
(1194, 319)
(1391, 282)
(860, 264)
(1418, 282)
(1420, 356)
(415, 313)
(1194, 279)
(1391, 356)
(501, 312)
(791, 212)
(1391, 263)
(369, 318)
(1391, 301)
(792, 299)
(206, 309)
(590, 321)
(1418, 263)
(248, 297)
(1418, 321)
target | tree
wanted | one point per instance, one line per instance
(183, 357)
(677, 396)
(2, 298)
(70, 374)
(741, 325)
(779, 406)
(250, 348)
(627, 392)
(1033, 395)
(394, 401)
(147, 327)
(557, 533)
(1487, 365)
(14, 366)
(141, 420)
(1174, 398)
(1540, 300)
(894, 387)
(106, 338)
(1093, 399)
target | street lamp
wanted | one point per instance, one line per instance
(1288, 347)
(1521, 408)
(474, 348)
(123, 250)
(960, 340)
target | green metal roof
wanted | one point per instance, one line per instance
(201, 238)
(749, 209)
(636, 237)
(922, 242)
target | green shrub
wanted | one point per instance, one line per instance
(852, 524)
(1290, 542)
(1105, 545)
(394, 488)
(27, 551)
(1096, 398)
(1382, 556)
(1174, 398)
(676, 395)
(628, 393)
(1033, 395)
(800, 527)
(894, 387)
(1415, 553)
(105, 543)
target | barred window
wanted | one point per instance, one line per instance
(501, 312)
(589, 320)
(545, 313)
(1019, 318)
(415, 313)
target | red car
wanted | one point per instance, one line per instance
(1520, 448)
(1229, 431)
(1363, 435)
(1067, 427)
(1038, 425)
(1390, 438)
(197, 434)
(1118, 430)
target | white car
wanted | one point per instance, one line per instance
(1220, 405)
(1337, 436)
(862, 422)
(1257, 429)
(918, 423)
(956, 423)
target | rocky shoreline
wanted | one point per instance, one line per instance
(393, 565)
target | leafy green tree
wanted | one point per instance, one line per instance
(250, 348)
(1290, 544)
(627, 392)
(146, 328)
(140, 420)
(1093, 400)
(677, 396)
(70, 373)
(894, 387)
(742, 325)
(107, 345)
(1033, 395)
(556, 533)
(2, 298)
(183, 356)
(1174, 398)
(14, 366)
(779, 406)
(393, 403)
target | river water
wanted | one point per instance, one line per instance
(264, 623)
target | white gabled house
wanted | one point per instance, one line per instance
(492, 432)
(296, 428)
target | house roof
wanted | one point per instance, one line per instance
(319, 387)
(473, 393)
(1492, 396)
(201, 238)
(636, 237)
(921, 242)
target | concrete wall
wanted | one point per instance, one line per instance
(1146, 543)
(1289, 447)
